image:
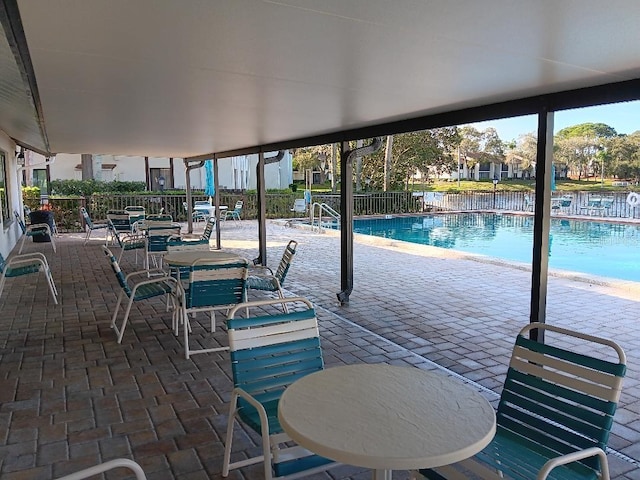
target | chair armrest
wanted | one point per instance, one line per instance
(264, 420)
(154, 280)
(23, 262)
(146, 272)
(573, 457)
(260, 270)
(39, 226)
(30, 256)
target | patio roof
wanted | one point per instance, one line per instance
(186, 79)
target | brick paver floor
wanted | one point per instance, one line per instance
(71, 397)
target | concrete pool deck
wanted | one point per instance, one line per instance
(72, 397)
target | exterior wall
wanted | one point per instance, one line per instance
(10, 231)
(235, 173)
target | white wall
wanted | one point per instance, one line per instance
(10, 232)
(234, 173)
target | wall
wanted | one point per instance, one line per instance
(10, 232)
(235, 173)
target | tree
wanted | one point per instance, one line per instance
(521, 154)
(579, 146)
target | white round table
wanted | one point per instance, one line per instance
(386, 417)
(186, 258)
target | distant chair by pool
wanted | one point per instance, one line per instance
(561, 204)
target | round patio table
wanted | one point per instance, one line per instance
(386, 417)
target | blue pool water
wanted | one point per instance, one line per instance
(597, 248)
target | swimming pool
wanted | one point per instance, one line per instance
(597, 248)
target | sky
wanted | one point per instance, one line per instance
(623, 117)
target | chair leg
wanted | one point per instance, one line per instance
(86, 237)
(53, 244)
(24, 237)
(126, 318)
(185, 328)
(52, 287)
(3, 280)
(115, 312)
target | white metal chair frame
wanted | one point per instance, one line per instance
(26, 264)
(34, 230)
(106, 466)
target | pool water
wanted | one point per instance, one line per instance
(597, 248)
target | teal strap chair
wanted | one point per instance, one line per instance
(268, 353)
(555, 412)
(158, 235)
(135, 291)
(213, 285)
(127, 241)
(27, 264)
(196, 215)
(264, 279)
(90, 225)
(34, 230)
(235, 213)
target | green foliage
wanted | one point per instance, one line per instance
(598, 130)
(85, 188)
(31, 193)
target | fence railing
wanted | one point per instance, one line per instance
(68, 218)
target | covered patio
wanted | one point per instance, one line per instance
(72, 397)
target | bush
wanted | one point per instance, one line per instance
(85, 188)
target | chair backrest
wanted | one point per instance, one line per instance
(159, 217)
(216, 283)
(119, 222)
(270, 352)
(201, 202)
(157, 237)
(3, 263)
(238, 207)
(208, 228)
(116, 269)
(86, 217)
(561, 400)
(285, 261)
(299, 205)
(23, 227)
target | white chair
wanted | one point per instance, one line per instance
(106, 466)
(26, 264)
(299, 206)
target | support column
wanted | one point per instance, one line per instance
(147, 174)
(542, 219)
(346, 213)
(346, 223)
(216, 200)
(262, 212)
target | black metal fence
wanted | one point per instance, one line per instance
(68, 218)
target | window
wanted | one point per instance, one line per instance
(4, 195)
(40, 180)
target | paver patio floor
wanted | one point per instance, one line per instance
(71, 397)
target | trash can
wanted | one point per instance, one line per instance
(42, 216)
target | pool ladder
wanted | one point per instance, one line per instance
(316, 220)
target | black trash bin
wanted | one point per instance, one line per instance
(42, 216)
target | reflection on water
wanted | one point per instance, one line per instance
(599, 248)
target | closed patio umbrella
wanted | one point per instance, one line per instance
(209, 185)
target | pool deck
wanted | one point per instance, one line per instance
(72, 397)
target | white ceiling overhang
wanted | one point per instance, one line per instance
(187, 78)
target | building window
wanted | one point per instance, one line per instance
(4, 195)
(40, 180)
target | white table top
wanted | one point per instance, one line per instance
(187, 257)
(387, 417)
(210, 208)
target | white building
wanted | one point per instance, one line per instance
(235, 173)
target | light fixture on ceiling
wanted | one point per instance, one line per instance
(20, 157)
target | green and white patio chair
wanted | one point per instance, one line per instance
(212, 285)
(27, 264)
(235, 213)
(555, 412)
(90, 226)
(145, 289)
(268, 353)
(264, 279)
(34, 230)
(127, 241)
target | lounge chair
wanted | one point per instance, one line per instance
(555, 412)
(299, 206)
(265, 279)
(90, 225)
